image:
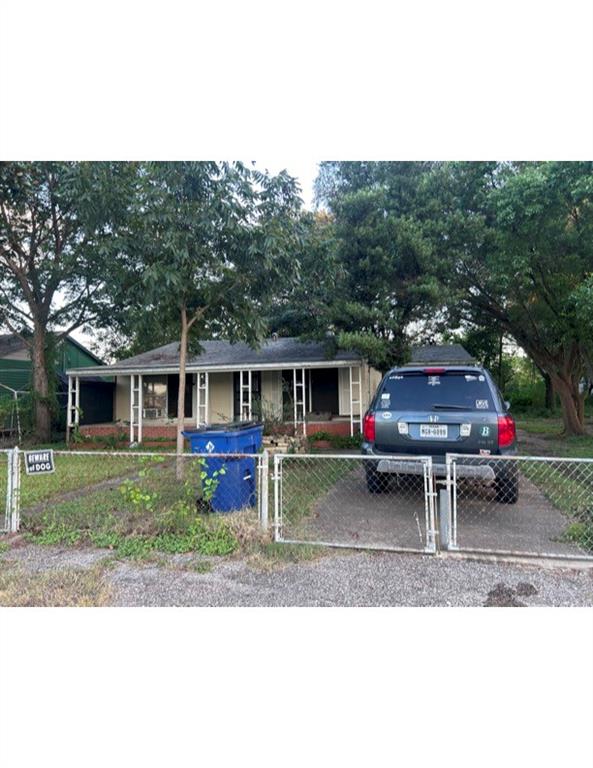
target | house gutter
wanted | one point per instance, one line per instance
(101, 371)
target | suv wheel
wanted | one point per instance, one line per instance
(506, 487)
(376, 482)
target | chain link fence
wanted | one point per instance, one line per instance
(522, 505)
(500, 505)
(354, 501)
(5, 492)
(133, 492)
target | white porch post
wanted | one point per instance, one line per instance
(202, 397)
(360, 399)
(294, 397)
(300, 404)
(245, 389)
(136, 407)
(351, 408)
(310, 392)
(132, 378)
(68, 409)
(140, 407)
(77, 401)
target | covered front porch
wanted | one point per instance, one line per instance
(301, 400)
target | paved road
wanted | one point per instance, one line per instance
(348, 514)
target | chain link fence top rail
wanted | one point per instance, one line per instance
(354, 501)
(522, 505)
(136, 492)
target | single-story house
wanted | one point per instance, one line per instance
(16, 369)
(293, 385)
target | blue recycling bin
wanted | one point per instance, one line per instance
(236, 487)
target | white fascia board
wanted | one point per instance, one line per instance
(97, 371)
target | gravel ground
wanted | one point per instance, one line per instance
(340, 579)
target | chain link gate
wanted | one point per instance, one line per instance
(521, 505)
(355, 501)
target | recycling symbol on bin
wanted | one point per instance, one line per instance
(209, 446)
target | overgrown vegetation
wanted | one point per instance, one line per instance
(60, 588)
(338, 442)
(144, 510)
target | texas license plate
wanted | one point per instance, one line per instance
(433, 430)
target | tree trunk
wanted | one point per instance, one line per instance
(181, 393)
(571, 400)
(549, 397)
(41, 404)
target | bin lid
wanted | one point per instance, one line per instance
(232, 426)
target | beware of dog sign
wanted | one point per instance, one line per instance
(39, 462)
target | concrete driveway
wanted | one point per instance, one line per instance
(348, 514)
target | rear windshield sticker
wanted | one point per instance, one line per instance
(433, 381)
(469, 377)
(482, 404)
(396, 377)
(385, 395)
(481, 378)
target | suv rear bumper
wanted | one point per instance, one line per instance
(402, 464)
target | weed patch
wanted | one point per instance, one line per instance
(63, 588)
(270, 555)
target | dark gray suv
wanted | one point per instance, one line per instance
(432, 411)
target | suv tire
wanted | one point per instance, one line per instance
(376, 483)
(506, 487)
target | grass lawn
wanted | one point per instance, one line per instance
(543, 437)
(568, 486)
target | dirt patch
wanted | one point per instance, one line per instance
(502, 597)
(525, 589)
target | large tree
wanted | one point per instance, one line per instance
(382, 252)
(513, 243)
(57, 224)
(208, 244)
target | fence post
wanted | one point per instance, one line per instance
(15, 506)
(451, 502)
(276, 479)
(264, 490)
(8, 504)
(444, 516)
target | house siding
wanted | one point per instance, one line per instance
(220, 397)
(220, 400)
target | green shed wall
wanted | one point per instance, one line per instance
(16, 374)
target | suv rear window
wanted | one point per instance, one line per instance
(419, 391)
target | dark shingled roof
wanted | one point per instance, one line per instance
(440, 353)
(223, 353)
(9, 343)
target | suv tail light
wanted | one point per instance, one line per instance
(506, 431)
(368, 427)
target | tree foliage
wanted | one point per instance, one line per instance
(513, 244)
(207, 244)
(57, 225)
